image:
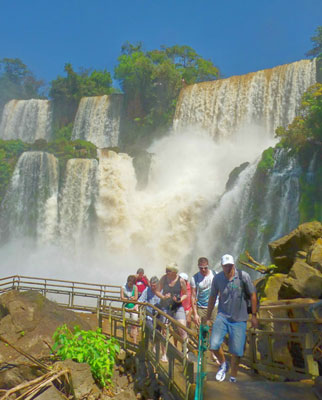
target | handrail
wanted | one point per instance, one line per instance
(299, 334)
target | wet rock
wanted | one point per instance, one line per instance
(29, 321)
(302, 281)
(315, 255)
(83, 382)
(51, 394)
(284, 250)
(270, 288)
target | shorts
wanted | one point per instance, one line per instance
(236, 332)
(178, 314)
(202, 312)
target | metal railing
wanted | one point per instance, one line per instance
(288, 342)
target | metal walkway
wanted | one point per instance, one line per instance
(286, 346)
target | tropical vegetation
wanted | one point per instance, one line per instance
(91, 347)
(151, 82)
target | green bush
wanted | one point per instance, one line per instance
(91, 347)
(267, 161)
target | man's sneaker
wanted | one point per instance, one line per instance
(221, 374)
(232, 379)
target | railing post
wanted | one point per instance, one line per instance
(45, 289)
(311, 366)
(98, 312)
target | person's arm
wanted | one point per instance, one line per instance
(147, 280)
(249, 286)
(184, 294)
(159, 289)
(211, 303)
(254, 320)
(136, 293)
(194, 302)
(122, 294)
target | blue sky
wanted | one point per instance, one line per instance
(238, 36)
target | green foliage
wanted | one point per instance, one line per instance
(66, 92)
(17, 81)
(65, 132)
(310, 206)
(151, 81)
(317, 47)
(307, 127)
(267, 161)
(10, 151)
(91, 347)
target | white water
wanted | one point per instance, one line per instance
(268, 99)
(77, 198)
(27, 120)
(98, 120)
(29, 208)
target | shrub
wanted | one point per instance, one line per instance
(91, 347)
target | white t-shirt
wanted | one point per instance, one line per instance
(202, 284)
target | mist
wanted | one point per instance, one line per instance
(144, 228)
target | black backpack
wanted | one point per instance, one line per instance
(246, 294)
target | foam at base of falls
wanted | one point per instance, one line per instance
(27, 120)
(268, 98)
(98, 120)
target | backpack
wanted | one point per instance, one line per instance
(246, 294)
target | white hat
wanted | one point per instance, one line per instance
(227, 259)
(184, 276)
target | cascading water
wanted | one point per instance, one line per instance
(256, 210)
(98, 120)
(267, 99)
(77, 202)
(29, 208)
(162, 222)
(27, 120)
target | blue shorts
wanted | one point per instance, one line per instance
(236, 332)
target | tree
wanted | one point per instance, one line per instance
(17, 81)
(66, 92)
(317, 47)
(151, 82)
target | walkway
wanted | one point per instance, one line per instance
(254, 387)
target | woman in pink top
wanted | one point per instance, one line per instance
(142, 282)
(187, 303)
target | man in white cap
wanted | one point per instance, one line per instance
(232, 315)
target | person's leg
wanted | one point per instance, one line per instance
(134, 329)
(219, 331)
(234, 365)
(237, 338)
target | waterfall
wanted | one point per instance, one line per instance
(98, 120)
(265, 99)
(255, 211)
(77, 199)
(27, 120)
(29, 208)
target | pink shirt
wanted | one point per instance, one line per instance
(187, 304)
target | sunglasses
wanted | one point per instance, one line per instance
(205, 268)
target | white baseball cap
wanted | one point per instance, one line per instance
(227, 259)
(184, 276)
